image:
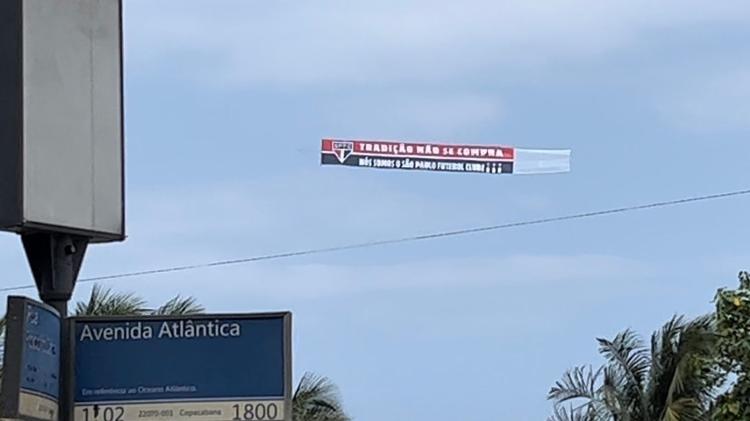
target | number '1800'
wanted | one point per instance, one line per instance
(256, 412)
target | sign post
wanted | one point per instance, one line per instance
(61, 189)
(202, 367)
(61, 137)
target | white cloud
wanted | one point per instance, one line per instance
(292, 43)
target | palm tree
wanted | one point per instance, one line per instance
(105, 302)
(317, 399)
(672, 380)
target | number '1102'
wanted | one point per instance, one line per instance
(107, 414)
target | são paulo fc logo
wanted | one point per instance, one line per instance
(342, 150)
(32, 317)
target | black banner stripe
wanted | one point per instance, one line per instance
(420, 164)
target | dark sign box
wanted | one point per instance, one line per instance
(61, 130)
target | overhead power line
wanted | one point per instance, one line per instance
(415, 238)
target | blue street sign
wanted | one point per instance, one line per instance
(31, 381)
(207, 367)
(40, 372)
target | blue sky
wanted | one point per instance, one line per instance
(227, 101)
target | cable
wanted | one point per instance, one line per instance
(415, 238)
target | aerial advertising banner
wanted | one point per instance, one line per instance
(487, 159)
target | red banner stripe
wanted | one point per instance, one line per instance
(432, 150)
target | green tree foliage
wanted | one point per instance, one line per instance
(672, 379)
(733, 320)
(105, 302)
(317, 399)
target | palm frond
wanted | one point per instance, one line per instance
(684, 409)
(684, 370)
(180, 306)
(744, 280)
(626, 354)
(561, 413)
(697, 341)
(612, 393)
(578, 383)
(316, 399)
(663, 363)
(580, 413)
(691, 372)
(626, 350)
(590, 390)
(104, 302)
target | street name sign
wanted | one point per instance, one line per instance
(31, 365)
(61, 130)
(202, 367)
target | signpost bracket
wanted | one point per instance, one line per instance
(55, 261)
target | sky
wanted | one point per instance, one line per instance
(226, 103)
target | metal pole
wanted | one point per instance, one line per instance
(55, 261)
